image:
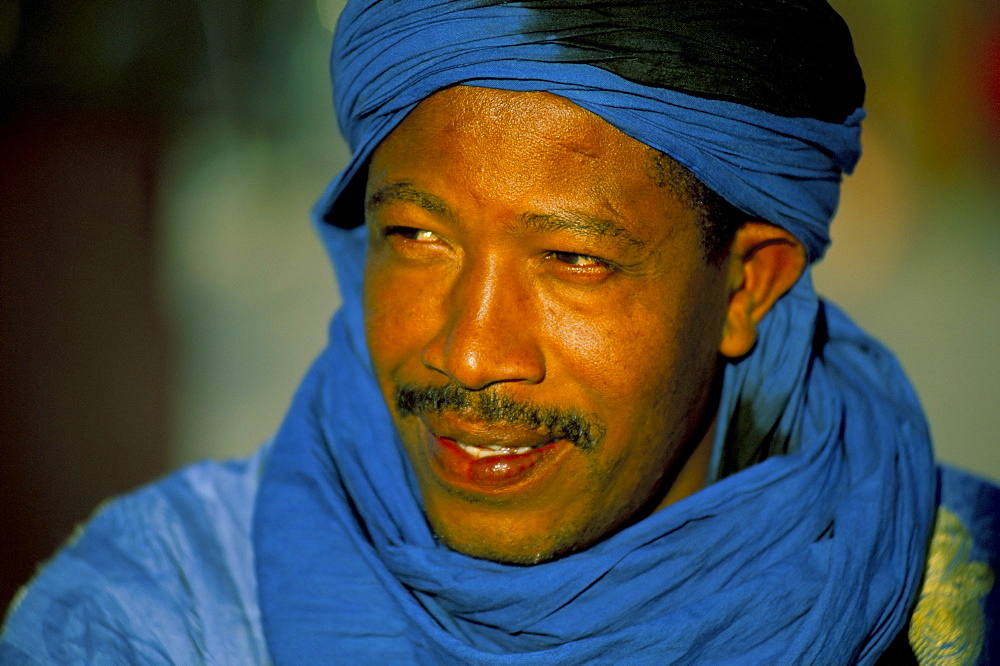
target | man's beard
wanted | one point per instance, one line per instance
(584, 431)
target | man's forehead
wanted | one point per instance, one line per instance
(567, 168)
(540, 116)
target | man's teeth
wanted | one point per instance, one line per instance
(483, 452)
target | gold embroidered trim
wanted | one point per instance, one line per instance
(947, 627)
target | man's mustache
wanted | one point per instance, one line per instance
(585, 431)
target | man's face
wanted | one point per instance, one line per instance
(540, 318)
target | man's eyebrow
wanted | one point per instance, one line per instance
(405, 192)
(581, 223)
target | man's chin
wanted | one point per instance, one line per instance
(520, 551)
(523, 538)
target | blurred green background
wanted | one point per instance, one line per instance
(162, 291)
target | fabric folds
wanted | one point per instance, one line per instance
(789, 57)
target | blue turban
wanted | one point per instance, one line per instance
(807, 557)
(388, 56)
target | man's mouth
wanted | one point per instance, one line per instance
(490, 461)
(490, 443)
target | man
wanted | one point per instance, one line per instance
(581, 403)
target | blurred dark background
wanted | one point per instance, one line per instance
(161, 291)
(124, 127)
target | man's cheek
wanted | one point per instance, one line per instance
(396, 310)
(607, 348)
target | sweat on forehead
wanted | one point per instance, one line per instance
(560, 125)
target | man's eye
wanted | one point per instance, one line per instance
(412, 233)
(579, 260)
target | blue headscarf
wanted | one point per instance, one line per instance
(810, 557)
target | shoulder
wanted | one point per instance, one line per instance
(163, 575)
(956, 618)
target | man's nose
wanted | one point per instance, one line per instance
(489, 334)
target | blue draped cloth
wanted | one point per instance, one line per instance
(804, 556)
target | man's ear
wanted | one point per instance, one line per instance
(765, 262)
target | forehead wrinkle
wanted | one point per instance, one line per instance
(405, 193)
(578, 222)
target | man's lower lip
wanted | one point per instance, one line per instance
(494, 472)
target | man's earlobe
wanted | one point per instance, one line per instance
(765, 262)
